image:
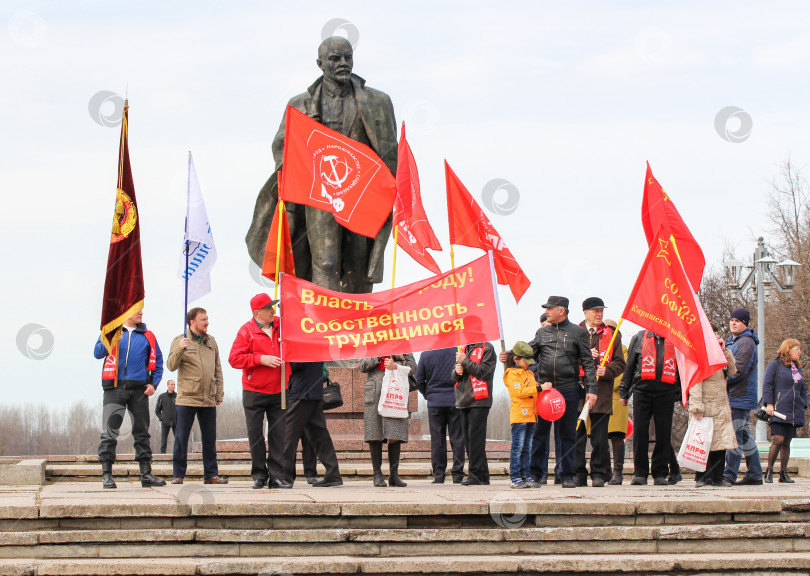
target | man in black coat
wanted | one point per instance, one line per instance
(474, 370)
(651, 376)
(166, 414)
(436, 385)
(561, 349)
(304, 415)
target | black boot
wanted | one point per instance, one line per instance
(618, 461)
(107, 479)
(768, 476)
(375, 448)
(393, 465)
(783, 477)
(147, 478)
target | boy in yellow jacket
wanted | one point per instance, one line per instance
(523, 390)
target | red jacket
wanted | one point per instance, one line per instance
(250, 345)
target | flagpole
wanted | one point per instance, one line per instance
(497, 298)
(281, 215)
(188, 202)
(394, 264)
(280, 345)
(610, 344)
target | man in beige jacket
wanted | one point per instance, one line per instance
(195, 356)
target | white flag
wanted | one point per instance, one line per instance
(202, 253)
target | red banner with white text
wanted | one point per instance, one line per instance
(456, 308)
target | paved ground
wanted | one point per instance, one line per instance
(56, 499)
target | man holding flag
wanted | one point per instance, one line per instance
(133, 363)
(651, 376)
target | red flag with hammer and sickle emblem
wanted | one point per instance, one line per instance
(664, 301)
(329, 171)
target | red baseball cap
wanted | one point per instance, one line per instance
(260, 301)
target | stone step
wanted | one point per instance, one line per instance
(349, 470)
(766, 537)
(720, 564)
(245, 457)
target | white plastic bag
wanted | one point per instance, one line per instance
(394, 393)
(697, 443)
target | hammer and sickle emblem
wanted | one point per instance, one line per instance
(334, 179)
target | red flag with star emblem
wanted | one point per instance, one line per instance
(415, 233)
(657, 209)
(663, 301)
(469, 226)
(329, 171)
(123, 287)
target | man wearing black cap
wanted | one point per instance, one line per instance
(608, 366)
(560, 350)
(742, 396)
(257, 352)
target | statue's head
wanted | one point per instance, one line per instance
(335, 59)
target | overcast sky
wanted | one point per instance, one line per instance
(564, 101)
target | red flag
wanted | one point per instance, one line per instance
(415, 234)
(329, 171)
(663, 301)
(657, 209)
(287, 264)
(469, 226)
(457, 307)
(123, 286)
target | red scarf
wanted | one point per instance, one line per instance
(605, 333)
(479, 386)
(649, 360)
(110, 363)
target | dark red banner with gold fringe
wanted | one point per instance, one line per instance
(123, 287)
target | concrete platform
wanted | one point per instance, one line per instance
(80, 528)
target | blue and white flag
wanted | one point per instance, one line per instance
(202, 253)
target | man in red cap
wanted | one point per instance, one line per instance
(256, 351)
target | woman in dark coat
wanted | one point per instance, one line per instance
(379, 429)
(785, 391)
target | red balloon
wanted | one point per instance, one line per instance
(629, 429)
(550, 405)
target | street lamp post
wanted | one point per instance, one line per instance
(762, 276)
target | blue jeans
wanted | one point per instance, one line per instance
(746, 444)
(207, 418)
(520, 457)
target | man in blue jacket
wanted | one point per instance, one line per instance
(437, 386)
(742, 396)
(140, 367)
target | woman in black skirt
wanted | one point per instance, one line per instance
(784, 391)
